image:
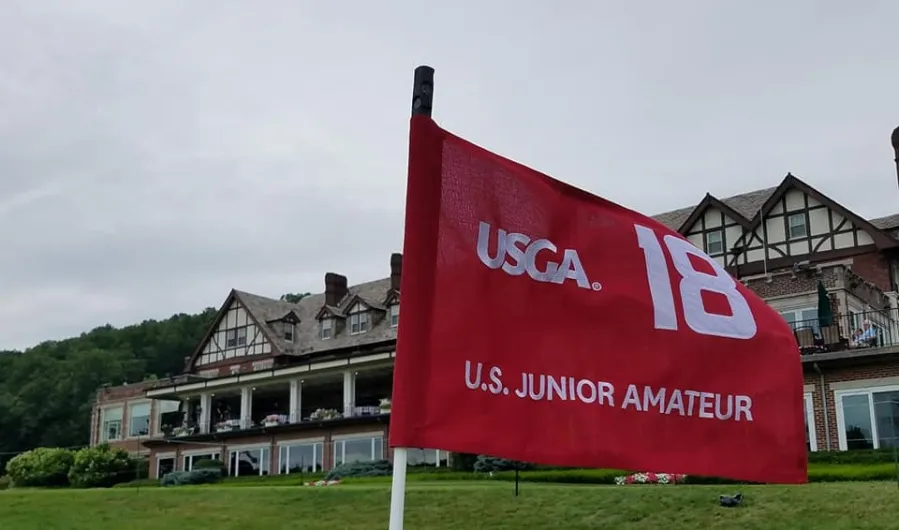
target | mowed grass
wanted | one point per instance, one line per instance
(454, 505)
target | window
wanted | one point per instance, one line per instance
(288, 331)
(165, 464)
(868, 419)
(139, 419)
(236, 337)
(327, 328)
(796, 227)
(426, 457)
(364, 449)
(300, 458)
(802, 318)
(359, 322)
(394, 312)
(714, 243)
(191, 459)
(811, 440)
(111, 421)
(168, 416)
(249, 461)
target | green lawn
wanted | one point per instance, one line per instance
(446, 505)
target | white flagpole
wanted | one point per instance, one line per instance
(398, 489)
(422, 99)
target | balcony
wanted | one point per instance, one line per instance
(279, 405)
(850, 335)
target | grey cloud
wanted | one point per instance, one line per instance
(154, 155)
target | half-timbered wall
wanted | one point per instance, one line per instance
(715, 233)
(236, 336)
(799, 225)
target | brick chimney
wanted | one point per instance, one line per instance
(335, 288)
(396, 271)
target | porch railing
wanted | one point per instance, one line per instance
(273, 419)
(848, 331)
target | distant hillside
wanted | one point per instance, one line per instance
(46, 394)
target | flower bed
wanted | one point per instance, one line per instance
(650, 478)
(320, 483)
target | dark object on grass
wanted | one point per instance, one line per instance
(729, 502)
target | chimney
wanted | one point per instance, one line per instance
(335, 288)
(396, 271)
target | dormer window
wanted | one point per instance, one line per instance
(289, 328)
(359, 320)
(394, 313)
(327, 328)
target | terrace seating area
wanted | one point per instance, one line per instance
(852, 331)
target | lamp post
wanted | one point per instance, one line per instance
(894, 139)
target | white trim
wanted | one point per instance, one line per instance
(212, 450)
(810, 418)
(166, 455)
(341, 437)
(249, 447)
(838, 396)
(232, 459)
(302, 441)
(103, 431)
(131, 405)
(318, 450)
(336, 442)
(275, 375)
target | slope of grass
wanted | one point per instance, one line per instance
(447, 505)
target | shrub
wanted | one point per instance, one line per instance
(212, 464)
(101, 467)
(855, 456)
(41, 467)
(378, 468)
(4, 482)
(491, 464)
(185, 478)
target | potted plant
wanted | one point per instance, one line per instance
(324, 414)
(180, 431)
(272, 420)
(222, 426)
(385, 406)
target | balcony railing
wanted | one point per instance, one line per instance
(853, 331)
(221, 425)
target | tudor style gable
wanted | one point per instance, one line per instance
(714, 227)
(235, 335)
(798, 222)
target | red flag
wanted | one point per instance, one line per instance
(544, 324)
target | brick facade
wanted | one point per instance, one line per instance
(826, 429)
(122, 396)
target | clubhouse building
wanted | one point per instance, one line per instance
(278, 387)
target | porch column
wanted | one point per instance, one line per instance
(349, 393)
(246, 407)
(205, 412)
(296, 401)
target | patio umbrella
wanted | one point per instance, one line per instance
(825, 312)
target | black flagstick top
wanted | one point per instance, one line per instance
(423, 91)
(894, 139)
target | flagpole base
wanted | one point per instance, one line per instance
(398, 489)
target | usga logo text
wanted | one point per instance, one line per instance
(516, 254)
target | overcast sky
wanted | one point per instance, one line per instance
(155, 154)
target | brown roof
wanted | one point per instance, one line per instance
(308, 338)
(746, 204)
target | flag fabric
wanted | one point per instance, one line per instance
(544, 324)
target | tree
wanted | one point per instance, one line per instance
(293, 297)
(47, 392)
